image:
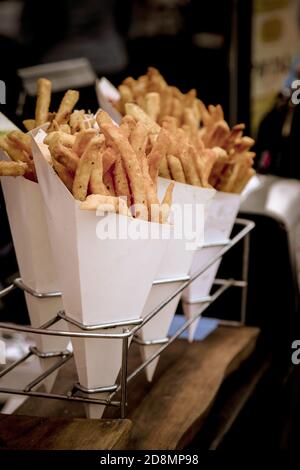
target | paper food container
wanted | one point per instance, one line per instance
(103, 278)
(176, 264)
(28, 226)
(220, 221)
(106, 93)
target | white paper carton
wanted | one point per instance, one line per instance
(28, 226)
(106, 93)
(221, 217)
(176, 264)
(29, 231)
(102, 280)
(218, 227)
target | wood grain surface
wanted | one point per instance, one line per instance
(32, 433)
(168, 413)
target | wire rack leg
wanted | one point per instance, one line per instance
(245, 272)
(124, 376)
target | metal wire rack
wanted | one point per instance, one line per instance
(80, 394)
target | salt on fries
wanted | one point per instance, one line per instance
(204, 150)
(110, 170)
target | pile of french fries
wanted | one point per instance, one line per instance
(112, 168)
(17, 144)
(104, 166)
(224, 154)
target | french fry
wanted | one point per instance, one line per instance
(103, 117)
(66, 139)
(217, 135)
(190, 97)
(105, 204)
(229, 178)
(205, 163)
(176, 169)
(127, 125)
(176, 93)
(54, 126)
(138, 140)
(241, 184)
(109, 183)
(152, 199)
(15, 153)
(18, 155)
(158, 154)
(164, 171)
(131, 165)
(120, 182)
(65, 128)
(189, 167)
(243, 145)
(13, 168)
(139, 115)
(85, 167)
(170, 123)
(96, 181)
(166, 101)
(51, 116)
(177, 109)
(152, 105)
(156, 80)
(21, 140)
(77, 121)
(65, 108)
(130, 82)
(43, 101)
(126, 93)
(29, 124)
(181, 148)
(216, 173)
(63, 173)
(235, 134)
(190, 119)
(166, 204)
(64, 155)
(82, 139)
(109, 158)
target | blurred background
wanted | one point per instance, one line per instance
(244, 55)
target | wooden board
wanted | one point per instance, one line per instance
(186, 384)
(168, 413)
(31, 433)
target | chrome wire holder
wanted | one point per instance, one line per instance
(129, 329)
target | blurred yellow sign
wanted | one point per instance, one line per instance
(275, 42)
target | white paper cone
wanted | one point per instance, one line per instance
(221, 217)
(190, 311)
(106, 93)
(28, 226)
(175, 264)
(102, 280)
